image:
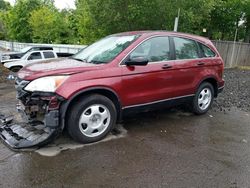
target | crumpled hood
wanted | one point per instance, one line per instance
(64, 66)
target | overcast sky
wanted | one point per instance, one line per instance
(59, 3)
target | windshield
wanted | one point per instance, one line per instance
(26, 49)
(105, 50)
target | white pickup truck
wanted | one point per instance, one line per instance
(29, 58)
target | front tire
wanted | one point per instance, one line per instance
(91, 118)
(203, 99)
(16, 68)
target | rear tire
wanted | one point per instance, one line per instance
(203, 99)
(91, 118)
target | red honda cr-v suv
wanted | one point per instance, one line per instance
(127, 72)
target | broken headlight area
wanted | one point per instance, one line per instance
(40, 114)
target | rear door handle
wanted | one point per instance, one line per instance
(200, 63)
(166, 66)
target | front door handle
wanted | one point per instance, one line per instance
(200, 63)
(166, 66)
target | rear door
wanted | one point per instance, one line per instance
(153, 82)
(188, 65)
(209, 57)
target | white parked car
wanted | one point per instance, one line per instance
(29, 58)
(14, 56)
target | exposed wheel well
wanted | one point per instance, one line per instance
(107, 93)
(214, 84)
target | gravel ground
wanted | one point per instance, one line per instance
(236, 92)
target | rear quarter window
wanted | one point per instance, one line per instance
(207, 52)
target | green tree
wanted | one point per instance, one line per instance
(246, 21)
(4, 6)
(195, 15)
(225, 17)
(3, 32)
(96, 19)
(18, 25)
(40, 21)
(43, 22)
(51, 26)
(67, 27)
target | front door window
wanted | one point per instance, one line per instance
(154, 49)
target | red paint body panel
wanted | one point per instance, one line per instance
(135, 84)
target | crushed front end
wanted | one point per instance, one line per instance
(40, 114)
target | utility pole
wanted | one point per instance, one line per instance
(176, 22)
(233, 51)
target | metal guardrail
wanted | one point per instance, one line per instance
(17, 46)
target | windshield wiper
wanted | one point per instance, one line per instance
(97, 62)
(85, 61)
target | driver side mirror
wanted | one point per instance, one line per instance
(137, 61)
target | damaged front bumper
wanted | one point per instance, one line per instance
(26, 135)
(40, 114)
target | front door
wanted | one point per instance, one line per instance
(153, 82)
(33, 58)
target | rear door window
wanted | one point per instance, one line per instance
(185, 48)
(48, 55)
(207, 52)
(155, 49)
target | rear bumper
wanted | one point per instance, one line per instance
(221, 86)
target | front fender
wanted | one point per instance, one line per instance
(66, 104)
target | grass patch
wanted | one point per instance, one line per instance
(244, 67)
